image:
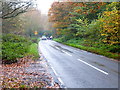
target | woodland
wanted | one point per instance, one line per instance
(91, 26)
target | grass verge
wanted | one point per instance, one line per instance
(33, 50)
(92, 49)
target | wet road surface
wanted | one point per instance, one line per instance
(77, 68)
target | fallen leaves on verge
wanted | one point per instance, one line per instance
(26, 74)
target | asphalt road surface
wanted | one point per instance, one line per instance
(77, 68)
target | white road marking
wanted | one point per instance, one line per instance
(54, 71)
(63, 51)
(93, 66)
(58, 48)
(66, 53)
(60, 81)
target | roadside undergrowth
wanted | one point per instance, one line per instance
(100, 51)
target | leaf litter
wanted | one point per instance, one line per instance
(27, 73)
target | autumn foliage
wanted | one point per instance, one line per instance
(111, 24)
(95, 23)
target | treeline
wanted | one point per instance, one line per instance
(90, 24)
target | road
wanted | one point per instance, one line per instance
(77, 68)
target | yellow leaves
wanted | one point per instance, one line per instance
(101, 19)
(104, 41)
(103, 34)
(107, 13)
(79, 20)
(110, 21)
(112, 14)
(77, 34)
(116, 23)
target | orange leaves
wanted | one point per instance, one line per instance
(98, 7)
(78, 10)
(59, 14)
(29, 75)
(88, 7)
(63, 14)
(79, 4)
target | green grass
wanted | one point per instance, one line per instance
(100, 51)
(33, 50)
(38, 39)
(0, 50)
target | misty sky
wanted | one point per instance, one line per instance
(44, 5)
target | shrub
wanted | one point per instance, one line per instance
(13, 47)
(114, 48)
(34, 40)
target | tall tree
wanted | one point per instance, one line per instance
(59, 14)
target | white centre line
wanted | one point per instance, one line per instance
(66, 53)
(58, 48)
(63, 51)
(93, 66)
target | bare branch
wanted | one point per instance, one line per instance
(12, 9)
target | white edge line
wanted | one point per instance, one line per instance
(93, 67)
(60, 81)
(58, 77)
(54, 71)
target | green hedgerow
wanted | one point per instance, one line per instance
(13, 47)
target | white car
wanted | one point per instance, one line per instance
(51, 37)
(43, 38)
